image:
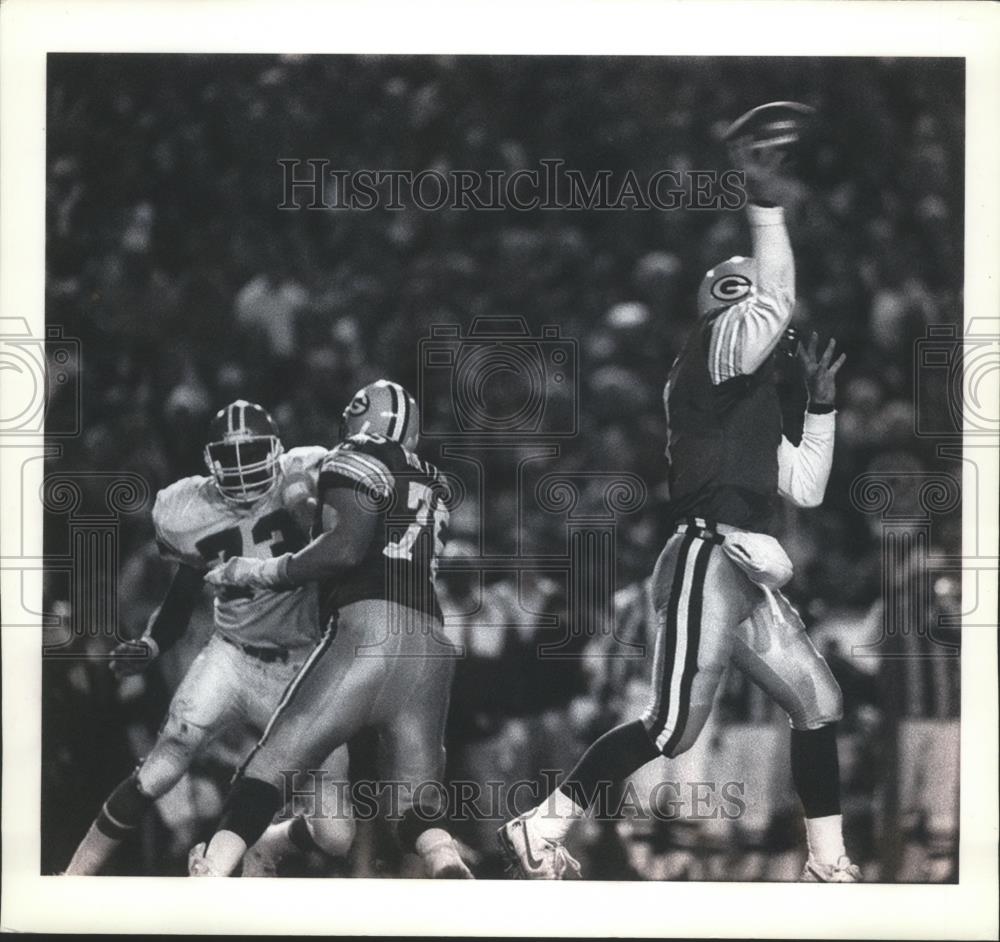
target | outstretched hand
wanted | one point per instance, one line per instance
(820, 371)
(763, 168)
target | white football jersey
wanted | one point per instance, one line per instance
(197, 527)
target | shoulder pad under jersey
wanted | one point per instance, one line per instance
(363, 460)
(179, 510)
(390, 453)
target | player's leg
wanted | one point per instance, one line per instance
(773, 648)
(700, 596)
(329, 701)
(411, 753)
(329, 825)
(203, 703)
(319, 821)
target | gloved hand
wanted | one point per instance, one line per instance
(251, 573)
(133, 657)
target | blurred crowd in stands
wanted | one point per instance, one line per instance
(187, 287)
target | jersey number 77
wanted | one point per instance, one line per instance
(422, 500)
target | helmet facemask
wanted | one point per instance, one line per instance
(245, 468)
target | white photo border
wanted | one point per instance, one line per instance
(29, 29)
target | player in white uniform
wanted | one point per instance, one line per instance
(253, 504)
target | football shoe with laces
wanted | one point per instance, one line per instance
(843, 871)
(533, 857)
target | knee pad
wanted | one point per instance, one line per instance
(170, 758)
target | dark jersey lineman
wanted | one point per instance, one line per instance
(382, 663)
(409, 497)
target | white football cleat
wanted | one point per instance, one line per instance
(198, 865)
(532, 856)
(843, 871)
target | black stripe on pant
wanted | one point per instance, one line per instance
(681, 632)
(293, 687)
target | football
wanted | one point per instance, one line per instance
(778, 124)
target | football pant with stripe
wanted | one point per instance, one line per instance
(381, 666)
(710, 614)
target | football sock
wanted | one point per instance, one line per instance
(816, 775)
(278, 841)
(121, 814)
(431, 840)
(610, 759)
(299, 834)
(556, 814)
(826, 838)
(437, 849)
(92, 854)
(251, 805)
(816, 770)
(224, 853)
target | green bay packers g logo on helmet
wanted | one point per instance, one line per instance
(383, 408)
(359, 404)
(725, 284)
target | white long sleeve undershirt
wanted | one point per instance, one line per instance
(803, 471)
(744, 335)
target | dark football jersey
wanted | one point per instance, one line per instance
(410, 499)
(722, 440)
